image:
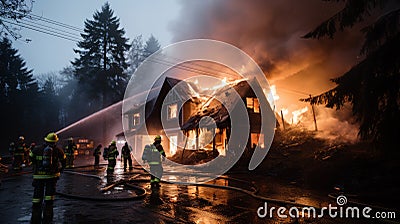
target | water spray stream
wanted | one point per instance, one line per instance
(98, 113)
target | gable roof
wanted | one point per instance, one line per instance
(184, 90)
(214, 106)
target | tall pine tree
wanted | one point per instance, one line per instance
(135, 55)
(101, 63)
(139, 52)
(372, 86)
(151, 46)
(50, 110)
(18, 93)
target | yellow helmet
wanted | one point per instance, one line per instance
(157, 138)
(21, 138)
(113, 142)
(51, 137)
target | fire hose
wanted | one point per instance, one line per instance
(143, 192)
(140, 195)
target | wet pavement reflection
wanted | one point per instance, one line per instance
(89, 195)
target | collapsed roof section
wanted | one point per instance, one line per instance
(217, 106)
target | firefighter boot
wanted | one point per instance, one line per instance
(48, 212)
(36, 217)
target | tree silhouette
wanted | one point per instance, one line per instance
(50, 110)
(135, 55)
(371, 86)
(13, 10)
(151, 46)
(138, 53)
(101, 63)
(18, 93)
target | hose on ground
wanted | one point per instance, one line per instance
(142, 194)
(141, 191)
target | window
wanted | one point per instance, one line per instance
(249, 103)
(173, 144)
(252, 103)
(172, 111)
(136, 119)
(256, 106)
(257, 139)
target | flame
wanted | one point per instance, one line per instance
(297, 115)
(292, 114)
(285, 111)
(274, 94)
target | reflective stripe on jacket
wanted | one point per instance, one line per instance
(53, 171)
(112, 152)
(152, 155)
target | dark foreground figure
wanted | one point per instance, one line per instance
(46, 160)
(154, 155)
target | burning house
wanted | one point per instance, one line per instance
(142, 128)
(191, 119)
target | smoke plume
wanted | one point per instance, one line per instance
(271, 33)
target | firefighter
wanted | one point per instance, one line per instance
(96, 154)
(126, 155)
(48, 161)
(69, 151)
(112, 154)
(28, 161)
(3, 169)
(11, 149)
(19, 153)
(153, 154)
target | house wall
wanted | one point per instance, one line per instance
(170, 127)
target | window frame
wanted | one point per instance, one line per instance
(136, 119)
(169, 117)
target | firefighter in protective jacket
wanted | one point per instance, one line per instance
(126, 156)
(112, 154)
(69, 151)
(96, 154)
(48, 161)
(19, 153)
(154, 155)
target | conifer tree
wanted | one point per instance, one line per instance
(372, 87)
(18, 92)
(101, 63)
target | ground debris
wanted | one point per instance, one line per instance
(328, 152)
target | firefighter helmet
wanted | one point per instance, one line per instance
(51, 137)
(70, 139)
(21, 138)
(113, 142)
(157, 138)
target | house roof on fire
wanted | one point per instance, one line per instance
(214, 108)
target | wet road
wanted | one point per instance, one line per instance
(173, 203)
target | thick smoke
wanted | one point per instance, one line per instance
(270, 32)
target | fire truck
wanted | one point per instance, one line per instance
(84, 146)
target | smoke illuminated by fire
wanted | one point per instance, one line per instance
(270, 32)
(295, 116)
